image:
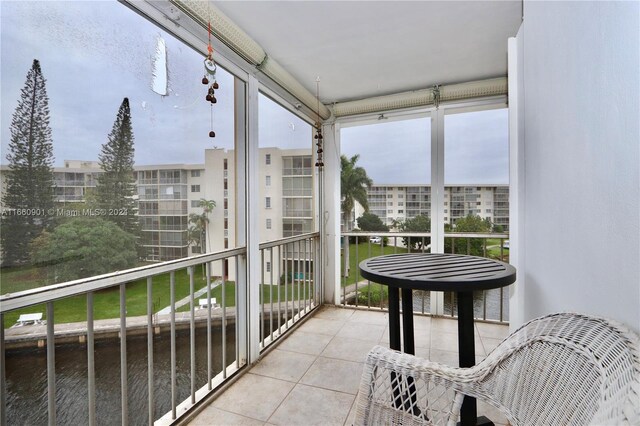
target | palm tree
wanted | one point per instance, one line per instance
(354, 183)
(200, 222)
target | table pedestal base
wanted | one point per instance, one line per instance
(481, 421)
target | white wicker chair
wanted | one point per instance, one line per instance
(559, 369)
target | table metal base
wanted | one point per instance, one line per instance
(481, 421)
(466, 341)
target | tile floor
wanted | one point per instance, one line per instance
(312, 377)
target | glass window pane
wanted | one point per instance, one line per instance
(477, 168)
(93, 73)
(396, 155)
(285, 140)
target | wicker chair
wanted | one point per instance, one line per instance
(559, 369)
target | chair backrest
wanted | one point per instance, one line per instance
(564, 368)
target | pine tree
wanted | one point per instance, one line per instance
(29, 194)
(115, 189)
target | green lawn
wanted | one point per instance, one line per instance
(365, 251)
(267, 291)
(107, 302)
(13, 280)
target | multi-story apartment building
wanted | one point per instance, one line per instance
(400, 202)
(168, 194)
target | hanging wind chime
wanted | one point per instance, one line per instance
(318, 125)
(210, 72)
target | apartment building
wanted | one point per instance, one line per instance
(401, 202)
(168, 194)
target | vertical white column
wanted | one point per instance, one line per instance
(437, 198)
(516, 180)
(248, 273)
(330, 216)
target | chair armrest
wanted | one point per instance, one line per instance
(401, 388)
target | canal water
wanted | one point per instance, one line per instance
(26, 373)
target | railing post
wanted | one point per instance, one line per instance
(150, 349)
(51, 365)
(174, 392)
(91, 374)
(3, 386)
(124, 394)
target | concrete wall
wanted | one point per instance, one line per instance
(581, 189)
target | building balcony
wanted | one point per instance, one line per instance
(308, 351)
(313, 375)
(284, 339)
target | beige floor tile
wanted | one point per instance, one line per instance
(449, 342)
(212, 416)
(422, 352)
(322, 326)
(494, 331)
(305, 343)
(307, 405)
(490, 344)
(421, 337)
(444, 341)
(352, 413)
(334, 313)
(348, 349)
(444, 357)
(421, 322)
(334, 374)
(362, 331)
(284, 365)
(254, 396)
(448, 325)
(370, 317)
(325, 356)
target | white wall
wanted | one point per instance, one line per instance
(581, 188)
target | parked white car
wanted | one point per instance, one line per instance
(375, 240)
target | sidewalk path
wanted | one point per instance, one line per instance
(185, 300)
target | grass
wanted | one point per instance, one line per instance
(365, 251)
(107, 302)
(291, 291)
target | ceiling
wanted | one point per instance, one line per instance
(361, 49)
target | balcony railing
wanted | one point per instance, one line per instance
(289, 280)
(490, 305)
(193, 337)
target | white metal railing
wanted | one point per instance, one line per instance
(490, 305)
(157, 325)
(290, 287)
(289, 290)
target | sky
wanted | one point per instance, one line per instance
(91, 64)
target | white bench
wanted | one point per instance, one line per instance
(26, 319)
(204, 303)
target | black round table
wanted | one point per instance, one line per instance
(437, 272)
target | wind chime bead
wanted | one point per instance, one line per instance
(215, 85)
(205, 80)
(213, 99)
(211, 91)
(212, 134)
(208, 97)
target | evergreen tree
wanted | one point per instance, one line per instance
(29, 193)
(115, 189)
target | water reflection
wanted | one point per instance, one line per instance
(26, 373)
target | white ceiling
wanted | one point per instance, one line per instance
(369, 48)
